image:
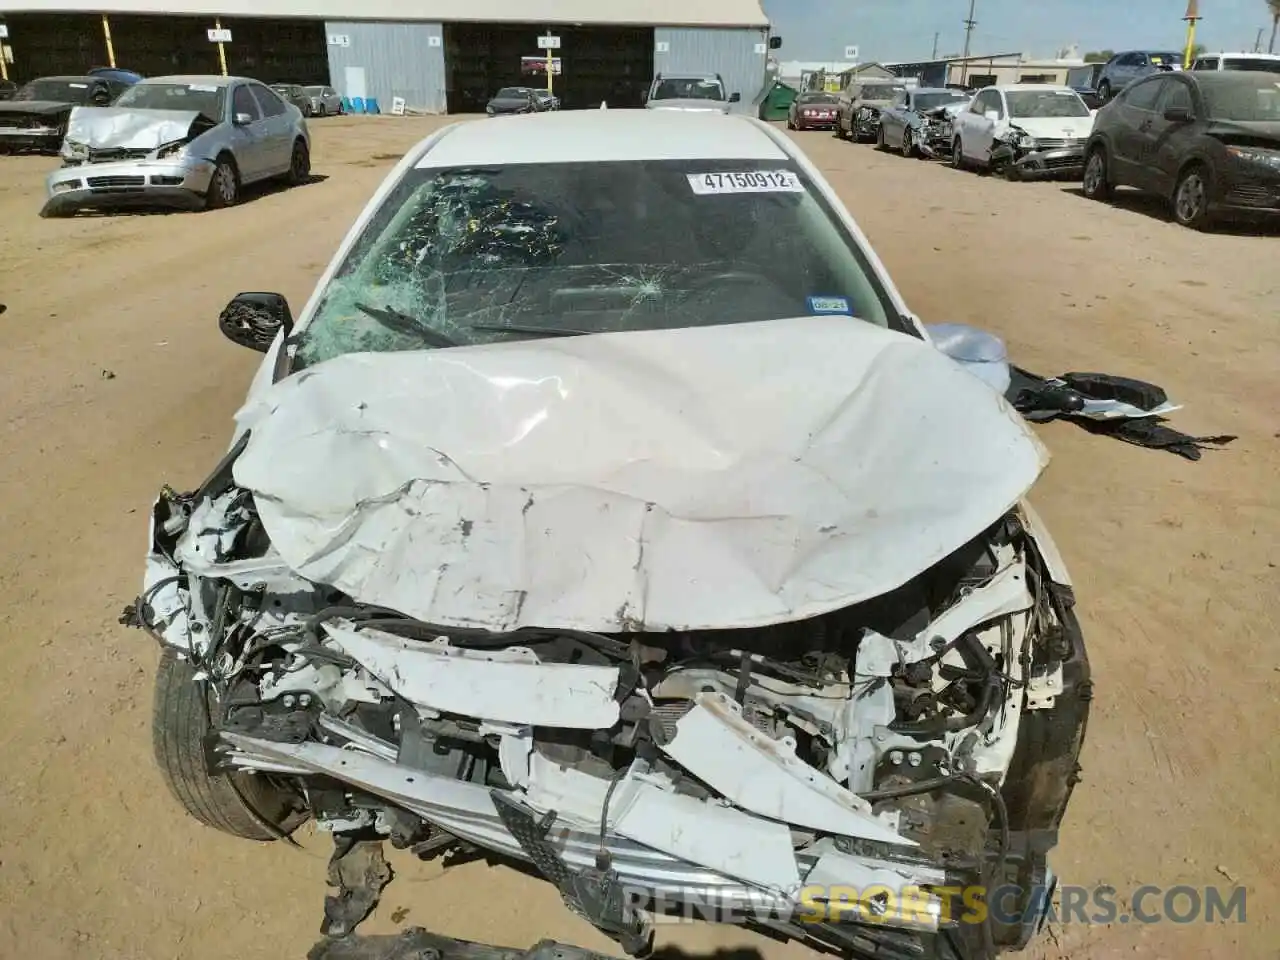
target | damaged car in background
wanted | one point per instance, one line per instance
(1023, 131)
(628, 606)
(919, 121)
(858, 116)
(189, 142)
(35, 117)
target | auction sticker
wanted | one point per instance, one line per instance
(758, 181)
(822, 306)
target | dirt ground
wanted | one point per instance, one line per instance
(114, 379)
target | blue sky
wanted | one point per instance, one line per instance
(904, 29)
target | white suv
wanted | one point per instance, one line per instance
(1262, 62)
(696, 93)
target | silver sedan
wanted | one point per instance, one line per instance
(190, 142)
(325, 101)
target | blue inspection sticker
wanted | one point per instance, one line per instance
(821, 306)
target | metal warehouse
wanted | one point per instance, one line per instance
(436, 55)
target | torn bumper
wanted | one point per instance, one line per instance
(1051, 163)
(181, 183)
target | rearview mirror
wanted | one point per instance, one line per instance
(253, 319)
(992, 115)
(735, 97)
(242, 119)
(775, 43)
(1177, 115)
(982, 354)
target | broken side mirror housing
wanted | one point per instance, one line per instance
(775, 43)
(982, 354)
(254, 319)
(735, 97)
(1178, 115)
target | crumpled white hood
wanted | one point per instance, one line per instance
(697, 478)
(128, 128)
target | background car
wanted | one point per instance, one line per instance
(919, 120)
(184, 141)
(1124, 68)
(697, 93)
(1025, 129)
(294, 93)
(127, 77)
(324, 100)
(510, 100)
(813, 110)
(7, 89)
(1207, 141)
(858, 115)
(546, 99)
(1258, 62)
(35, 117)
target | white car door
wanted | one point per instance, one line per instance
(986, 118)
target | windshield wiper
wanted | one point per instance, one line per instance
(410, 326)
(531, 329)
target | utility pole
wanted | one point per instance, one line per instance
(937, 35)
(968, 35)
(1192, 18)
(1257, 44)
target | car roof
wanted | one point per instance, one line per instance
(204, 80)
(1240, 56)
(602, 136)
(77, 78)
(935, 90)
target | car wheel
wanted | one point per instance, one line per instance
(1097, 183)
(957, 154)
(251, 806)
(323, 110)
(1104, 91)
(1191, 198)
(908, 144)
(840, 134)
(299, 163)
(224, 185)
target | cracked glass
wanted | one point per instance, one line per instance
(486, 255)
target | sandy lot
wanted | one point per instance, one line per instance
(114, 379)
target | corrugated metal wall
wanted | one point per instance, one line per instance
(397, 60)
(737, 54)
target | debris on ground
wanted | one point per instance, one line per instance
(360, 872)
(417, 944)
(1121, 407)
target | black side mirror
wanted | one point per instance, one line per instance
(775, 43)
(253, 319)
(1178, 115)
(735, 97)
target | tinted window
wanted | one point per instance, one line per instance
(1143, 96)
(1166, 59)
(1177, 96)
(1131, 60)
(586, 247)
(244, 103)
(688, 89)
(59, 91)
(809, 98)
(1256, 64)
(1205, 63)
(272, 105)
(202, 98)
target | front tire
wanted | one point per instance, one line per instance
(1097, 177)
(299, 163)
(224, 185)
(323, 110)
(881, 143)
(1104, 91)
(250, 806)
(1191, 198)
(908, 144)
(957, 155)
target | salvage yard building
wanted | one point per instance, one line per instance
(436, 55)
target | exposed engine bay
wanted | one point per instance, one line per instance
(921, 742)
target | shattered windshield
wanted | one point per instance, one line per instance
(930, 101)
(1246, 99)
(688, 89)
(1035, 104)
(55, 91)
(484, 255)
(202, 98)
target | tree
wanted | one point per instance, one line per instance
(1102, 56)
(1274, 6)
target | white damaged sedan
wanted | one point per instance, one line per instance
(606, 508)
